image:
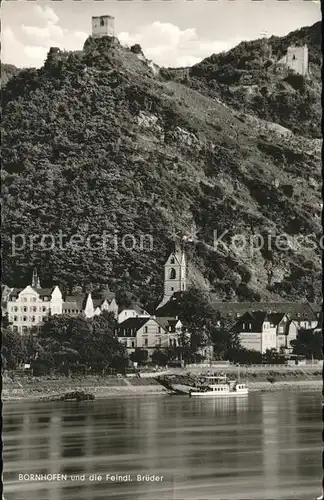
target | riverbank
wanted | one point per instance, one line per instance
(34, 388)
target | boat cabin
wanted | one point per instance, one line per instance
(214, 380)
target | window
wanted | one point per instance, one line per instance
(243, 326)
(25, 309)
(45, 299)
(172, 261)
(133, 343)
(34, 299)
(33, 319)
(102, 22)
(159, 329)
(145, 342)
(173, 274)
(25, 299)
(15, 308)
(24, 318)
(145, 329)
(172, 289)
(34, 309)
(43, 309)
(15, 318)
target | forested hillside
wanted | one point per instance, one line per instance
(7, 72)
(93, 142)
(249, 79)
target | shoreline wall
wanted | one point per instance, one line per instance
(34, 388)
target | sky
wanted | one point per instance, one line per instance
(173, 33)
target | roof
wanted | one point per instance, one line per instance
(97, 302)
(42, 292)
(71, 305)
(294, 309)
(15, 292)
(167, 322)
(132, 324)
(256, 319)
(5, 289)
(275, 318)
(136, 308)
(78, 301)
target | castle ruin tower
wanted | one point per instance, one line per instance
(175, 275)
(296, 59)
(35, 279)
(103, 26)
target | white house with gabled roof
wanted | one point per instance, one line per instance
(30, 306)
(133, 311)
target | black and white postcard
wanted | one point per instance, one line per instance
(161, 249)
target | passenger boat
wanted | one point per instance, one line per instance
(219, 386)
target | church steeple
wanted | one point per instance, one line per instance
(35, 279)
(175, 274)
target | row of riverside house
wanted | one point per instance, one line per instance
(260, 325)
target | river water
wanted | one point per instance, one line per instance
(267, 445)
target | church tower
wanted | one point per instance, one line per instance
(35, 279)
(175, 275)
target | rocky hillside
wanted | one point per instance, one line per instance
(95, 144)
(249, 79)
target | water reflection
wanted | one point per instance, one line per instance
(262, 446)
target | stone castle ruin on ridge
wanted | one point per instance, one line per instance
(103, 26)
(296, 59)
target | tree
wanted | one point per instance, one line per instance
(272, 357)
(74, 344)
(12, 352)
(139, 355)
(5, 321)
(309, 344)
(244, 356)
(224, 338)
(160, 357)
